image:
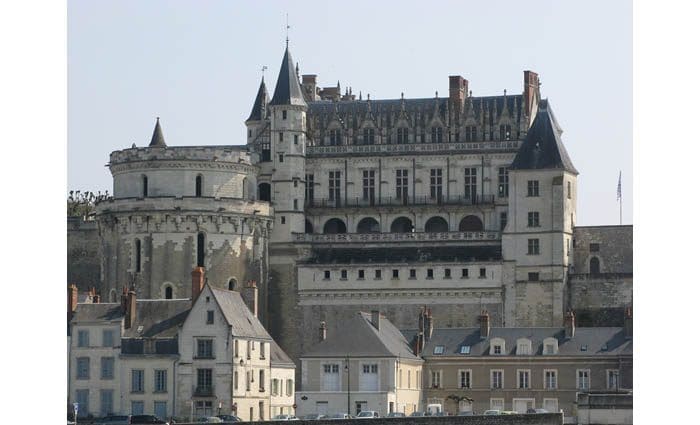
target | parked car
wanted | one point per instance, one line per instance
(441, 413)
(367, 414)
(418, 414)
(113, 420)
(508, 412)
(396, 415)
(314, 417)
(531, 410)
(342, 416)
(492, 412)
(228, 419)
(145, 419)
(466, 413)
(210, 420)
(285, 418)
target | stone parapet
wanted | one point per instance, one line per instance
(235, 154)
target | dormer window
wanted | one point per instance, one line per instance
(584, 347)
(524, 347)
(402, 135)
(550, 346)
(334, 137)
(498, 346)
(436, 135)
(439, 349)
(368, 136)
(465, 349)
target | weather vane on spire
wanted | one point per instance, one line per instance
(287, 29)
(263, 71)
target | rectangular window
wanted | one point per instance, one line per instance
(497, 404)
(210, 317)
(108, 338)
(436, 135)
(412, 274)
(377, 274)
(502, 182)
(402, 185)
(137, 407)
(247, 380)
(204, 380)
(583, 380)
(523, 379)
(429, 274)
(106, 402)
(205, 348)
(283, 220)
(465, 349)
(309, 188)
(335, 137)
(266, 153)
(533, 219)
(284, 115)
(82, 397)
(470, 183)
(290, 387)
(465, 273)
(360, 274)
(368, 136)
(331, 378)
(82, 368)
(482, 273)
(296, 203)
(496, 379)
(471, 133)
(107, 368)
(402, 135)
(83, 338)
(436, 183)
(137, 380)
(160, 380)
(395, 274)
(296, 139)
(280, 136)
(533, 247)
(334, 186)
(326, 275)
(465, 379)
(505, 131)
(533, 276)
(533, 188)
(550, 379)
(235, 380)
(439, 349)
(262, 350)
(235, 348)
(343, 274)
(435, 380)
(613, 379)
(368, 186)
(568, 190)
(280, 157)
(448, 273)
(261, 381)
(160, 409)
(504, 219)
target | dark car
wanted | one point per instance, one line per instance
(466, 413)
(415, 414)
(396, 415)
(146, 419)
(113, 420)
(313, 417)
(229, 419)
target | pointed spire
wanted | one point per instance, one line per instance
(260, 104)
(157, 140)
(287, 90)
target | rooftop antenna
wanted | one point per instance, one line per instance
(287, 29)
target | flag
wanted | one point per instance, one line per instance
(619, 187)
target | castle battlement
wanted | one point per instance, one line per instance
(232, 153)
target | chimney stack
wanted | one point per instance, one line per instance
(130, 316)
(458, 90)
(322, 332)
(420, 343)
(628, 323)
(72, 300)
(123, 300)
(531, 88)
(421, 319)
(94, 297)
(250, 296)
(197, 283)
(569, 324)
(428, 324)
(375, 319)
(484, 324)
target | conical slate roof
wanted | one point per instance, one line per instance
(157, 140)
(260, 104)
(287, 90)
(543, 148)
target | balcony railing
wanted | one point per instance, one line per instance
(203, 391)
(505, 145)
(390, 201)
(485, 235)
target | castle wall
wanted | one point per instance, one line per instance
(83, 253)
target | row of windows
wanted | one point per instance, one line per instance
(160, 380)
(395, 274)
(197, 186)
(82, 397)
(277, 384)
(204, 348)
(205, 384)
(84, 338)
(416, 382)
(497, 346)
(436, 224)
(523, 379)
(435, 134)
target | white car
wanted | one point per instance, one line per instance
(492, 412)
(285, 418)
(367, 414)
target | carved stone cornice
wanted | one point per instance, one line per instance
(241, 168)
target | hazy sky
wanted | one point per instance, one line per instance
(196, 64)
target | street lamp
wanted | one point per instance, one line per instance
(347, 369)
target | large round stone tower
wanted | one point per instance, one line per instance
(177, 208)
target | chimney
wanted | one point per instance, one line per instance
(421, 320)
(484, 324)
(458, 89)
(375, 319)
(428, 325)
(531, 87)
(130, 316)
(569, 324)
(94, 297)
(250, 296)
(308, 83)
(123, 300)
(322, 332)
(197, 283)
(72, 300)
(420, 343)
(628, 323)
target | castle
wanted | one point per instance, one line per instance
(338, 204)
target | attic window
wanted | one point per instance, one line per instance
(465, 349)
(584, 348)
(604, 347)
(210, 317)
(439, 349)
(139, 329)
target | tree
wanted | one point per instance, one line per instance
(82, 204)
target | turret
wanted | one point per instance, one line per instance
(256, 121)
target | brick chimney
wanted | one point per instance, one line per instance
(94, 297)
(130, 316)
(72, 300)
(322, 332)
(458, 89)
(484, 324)
(428, 325)
(123, 300)
(531, 87)
(569, 325)
(421, 319)
(628, 323)
(375, 319)
(197, 283)
(250, 296)
(419, 343)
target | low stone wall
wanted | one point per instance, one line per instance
(533, 419)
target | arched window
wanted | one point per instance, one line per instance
(232, 284)
(471, 223)
(168, 292)
(594, 265)
(200, 249)
(264, 192)
(144, 186)
(198, 186)
(368, 225)
(334, 226)
(436, 224)
(112, 296)
(402, 225)
(308, 227)
(137, 254)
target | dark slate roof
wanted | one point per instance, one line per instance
(89, 312)
(238, 315)
(594, 339)
(158, 318)
(403, 255)
(542, 147)
(287, 90)
(361, 339)
(157, 140)
(278, 357)
(136, 346)
(260, 104)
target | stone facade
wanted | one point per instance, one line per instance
(83, 248)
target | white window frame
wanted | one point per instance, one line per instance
(500, 401)
(550, 341)
(459, 378)
(491, 375)
(497, 342)
(523, 347)
(529, 379)
(332, 366)
(578, 379)
(545, 400)
(607, 378)
(545, 382)
(433, 374)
